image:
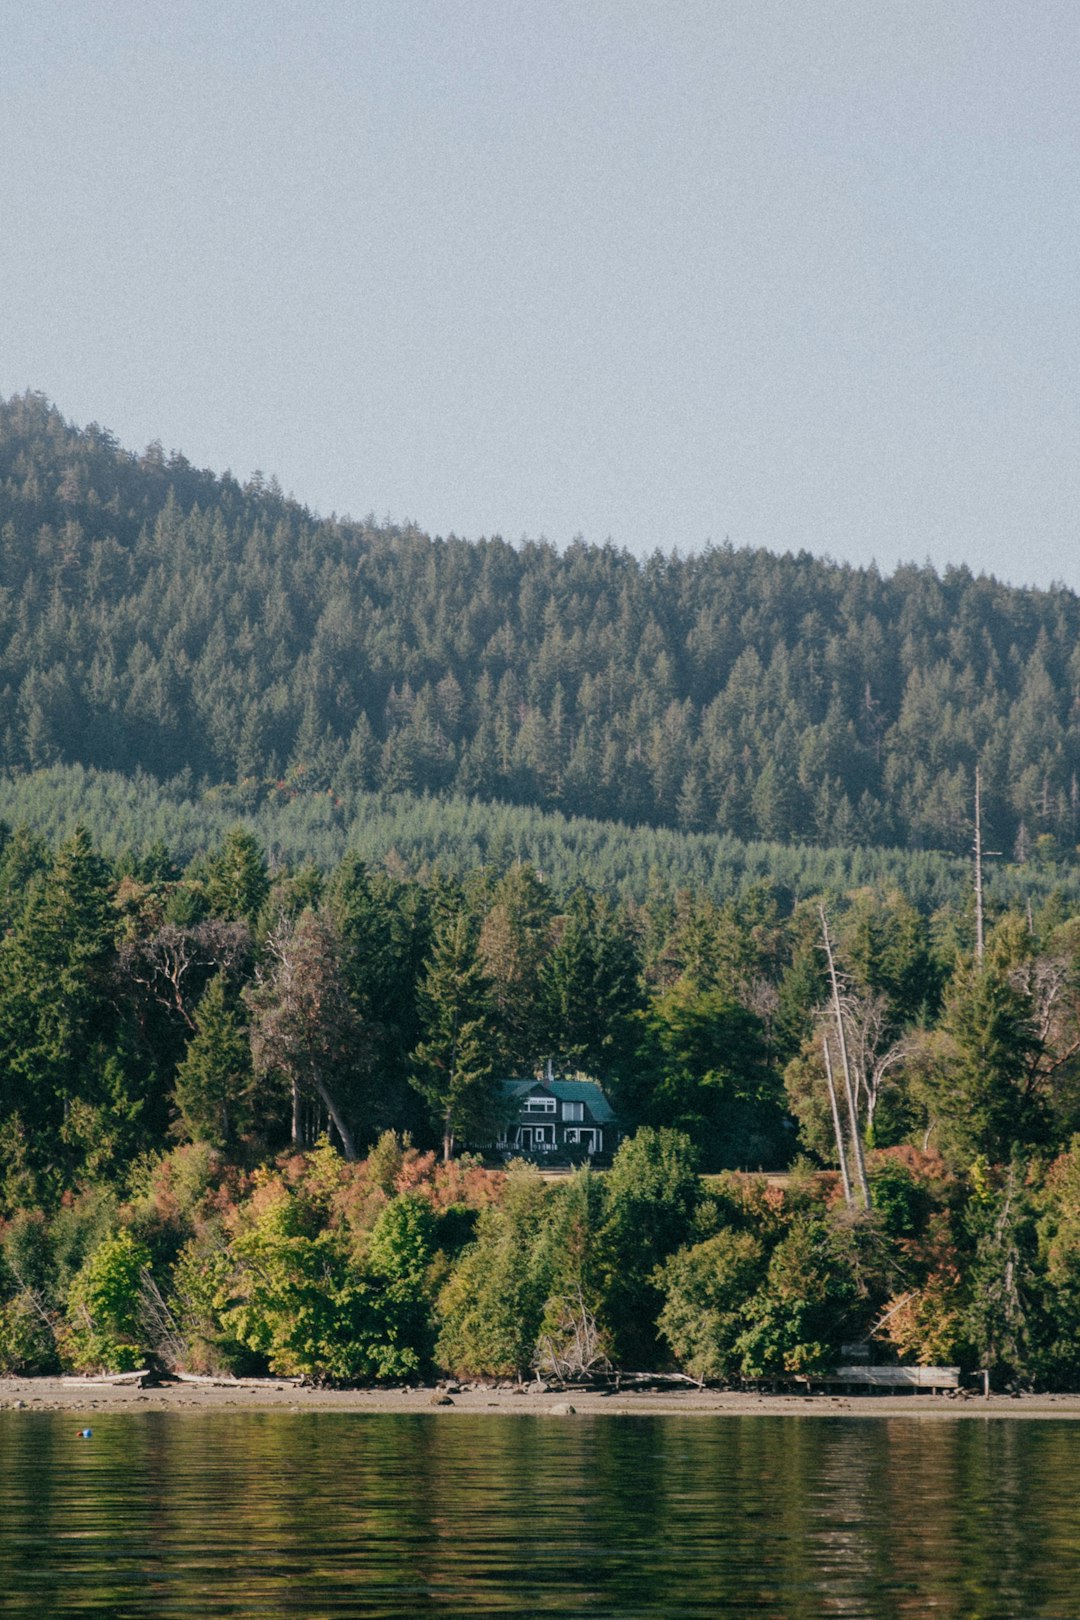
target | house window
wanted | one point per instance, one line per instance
(539, 1105)
(571, 1110)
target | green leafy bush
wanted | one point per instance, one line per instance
(103, 1329)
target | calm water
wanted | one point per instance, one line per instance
(317, 1514)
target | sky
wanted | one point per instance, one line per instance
(793, 275)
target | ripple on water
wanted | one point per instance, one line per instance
(319, 1514)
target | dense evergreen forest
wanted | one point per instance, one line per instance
(158, 618)
(422, 833)
(313, 830)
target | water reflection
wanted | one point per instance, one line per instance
(319, 1514)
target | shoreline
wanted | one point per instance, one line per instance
(91, 1397)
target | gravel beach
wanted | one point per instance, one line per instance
(86, 1396)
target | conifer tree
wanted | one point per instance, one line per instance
(384, 933)
(454, 1063)
(513, 942)
(981, 1093)
(237, 882)
(54, 1004)
(590, 988)
(214, 1081)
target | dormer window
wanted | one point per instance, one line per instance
(540, 1105)
(573, 1110)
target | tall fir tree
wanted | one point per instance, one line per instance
(214, 1081)
(514, 939)
(237, 881)
(591, 991)
(55, 1007)
(454, 1062)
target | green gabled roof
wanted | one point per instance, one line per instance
(582, 1091)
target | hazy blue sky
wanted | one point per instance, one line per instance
(799, 273)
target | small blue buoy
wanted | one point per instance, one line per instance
(86, 1434)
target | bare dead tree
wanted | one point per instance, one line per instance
(161, 1333)
(977, 855)
(172, 964)
(1052, 989)
(575, 1346)
(873, 1056)
(838, 1131)
(849, 1091)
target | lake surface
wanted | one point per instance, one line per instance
(316, 1514)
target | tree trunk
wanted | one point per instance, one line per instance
(837, 1128)
(841, 1035)
(347, 1146)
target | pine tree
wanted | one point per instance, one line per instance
(513, 942)
(214, 1081)
(237, 882)
(454, 1063)
(384, 929)
(54, 996)
(981, 1095)
(591, 991)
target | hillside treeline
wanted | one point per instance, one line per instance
(158, 618)
(415, 834)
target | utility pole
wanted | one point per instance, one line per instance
(979, 940)
(980, 855)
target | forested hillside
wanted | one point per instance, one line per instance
(160, 618)
(311, 831)
(225, 1091)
